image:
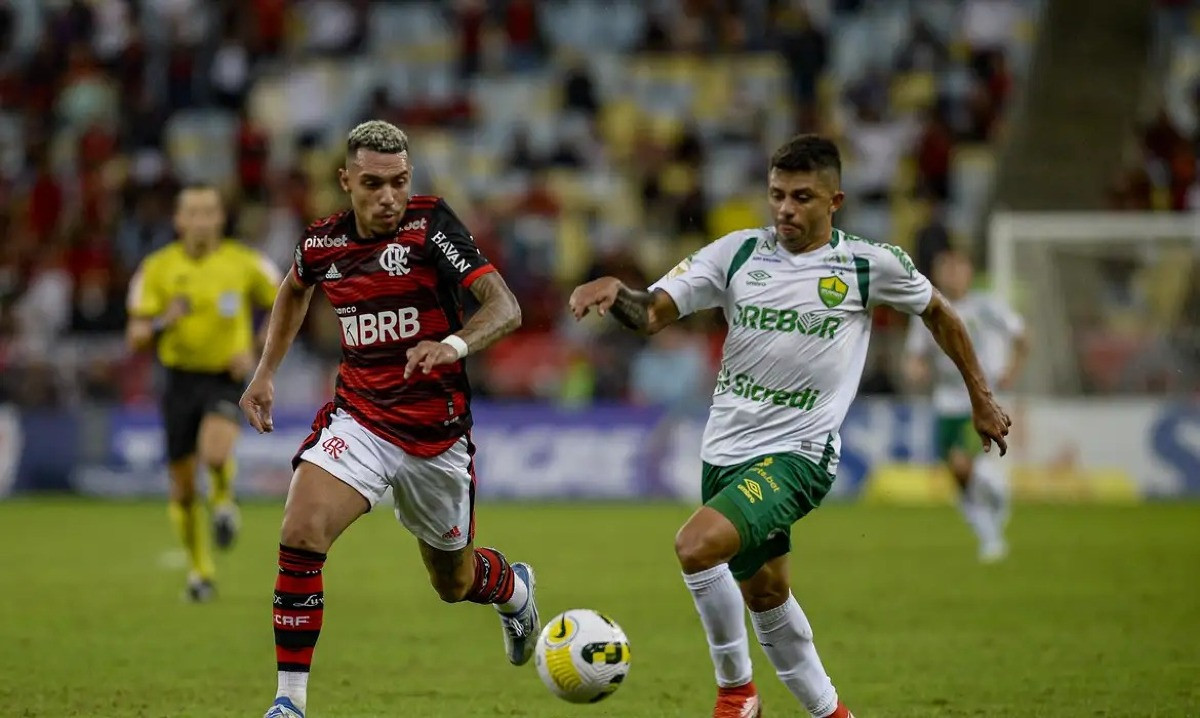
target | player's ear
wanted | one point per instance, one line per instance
(344, 179)
(836, 200)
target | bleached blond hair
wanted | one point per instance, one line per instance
(377, 136)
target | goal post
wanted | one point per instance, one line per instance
(1111, 299)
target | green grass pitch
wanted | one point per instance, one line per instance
(1097, 613)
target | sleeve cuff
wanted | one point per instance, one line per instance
(468, 280)
(297, 278)
(665, 288)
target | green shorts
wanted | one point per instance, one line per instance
(763, 497)
(956, 432)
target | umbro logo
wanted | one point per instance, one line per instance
(333, 272)
(759, 277)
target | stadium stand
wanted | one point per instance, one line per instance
(574, 137)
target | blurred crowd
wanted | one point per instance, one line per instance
(1141, 333)
(574, 137)
(1161, 174)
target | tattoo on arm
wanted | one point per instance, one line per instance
(499, 313)
(632, 308)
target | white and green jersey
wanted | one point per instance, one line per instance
(992, 326)
(798, 331)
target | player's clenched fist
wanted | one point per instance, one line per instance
(256, 404)
(600, 293)
(992, 424)
(427, 355)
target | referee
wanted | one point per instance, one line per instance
(192, 300)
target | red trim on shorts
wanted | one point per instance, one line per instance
(468, 280)
(471, 490)
(322, 420)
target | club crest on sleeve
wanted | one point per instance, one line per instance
(680, 268)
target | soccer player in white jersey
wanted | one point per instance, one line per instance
(998, 334)
(797, 297)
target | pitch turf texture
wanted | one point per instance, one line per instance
(1097, 613)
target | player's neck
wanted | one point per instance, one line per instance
(201, 248)
(364, 233)
(800, 246)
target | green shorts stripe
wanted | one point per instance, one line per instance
(763, 497)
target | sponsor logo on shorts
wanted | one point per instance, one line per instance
(759, 469)
(326, 242)
(751, 489)
(453, 533)
(334, 446)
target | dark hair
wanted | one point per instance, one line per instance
(807, 153)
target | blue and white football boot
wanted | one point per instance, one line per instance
(283, 708)
(521, 629)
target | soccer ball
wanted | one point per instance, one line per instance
(582, 656)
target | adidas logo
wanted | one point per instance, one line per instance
(333, 272)
(452, 533)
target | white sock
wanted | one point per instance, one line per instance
(293, 685)
(787, 639)
(519, 598)
(979, 516)
(723, 613)
(988, 473)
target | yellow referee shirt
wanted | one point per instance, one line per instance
(220, 289)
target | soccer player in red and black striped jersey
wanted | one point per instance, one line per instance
(393, 267)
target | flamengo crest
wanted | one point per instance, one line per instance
(394, 260)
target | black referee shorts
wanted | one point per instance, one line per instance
(189, 397)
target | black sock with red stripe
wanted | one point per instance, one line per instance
(493, 577)
(299, 607)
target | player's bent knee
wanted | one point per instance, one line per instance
(304, 532)
(700, 548)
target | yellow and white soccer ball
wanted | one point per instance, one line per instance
(582, 656)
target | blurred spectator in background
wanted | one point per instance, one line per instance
(584, 137)
(932, 239)
(804, 48)
(924, 51)
(673, 371)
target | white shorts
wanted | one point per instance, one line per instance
(434, 497)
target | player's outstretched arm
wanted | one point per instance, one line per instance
(951, 336)
(287, 314)
(499, 314)
(641, 311)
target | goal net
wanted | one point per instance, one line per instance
(1111, 300)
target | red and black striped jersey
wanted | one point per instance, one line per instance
(389, 294)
